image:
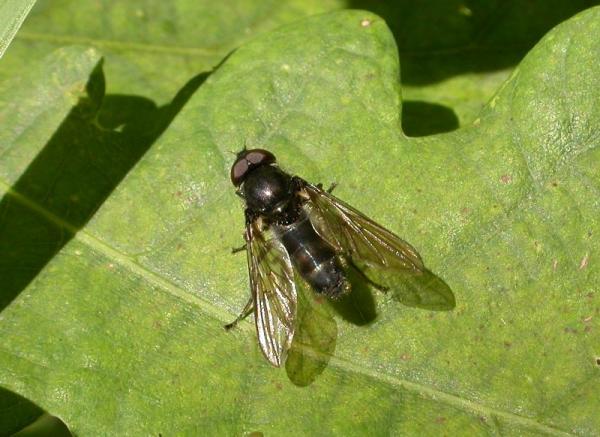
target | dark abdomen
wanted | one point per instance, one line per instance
(312, 257)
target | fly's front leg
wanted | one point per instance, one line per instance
(248, 308)
(249, 218)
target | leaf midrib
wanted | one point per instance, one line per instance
(119, 45)
(224, 316)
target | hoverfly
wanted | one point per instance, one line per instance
(292, 225)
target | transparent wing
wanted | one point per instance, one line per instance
(356, 236)
(273, 292)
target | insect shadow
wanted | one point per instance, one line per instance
(314, 340)
(316, 335)
(425, 291)
(357, 307)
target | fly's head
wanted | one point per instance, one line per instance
(266, 189)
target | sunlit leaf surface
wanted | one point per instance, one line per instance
(118, 218)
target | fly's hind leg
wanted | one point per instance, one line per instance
(330, 189)
(248, 308)
(368, 280)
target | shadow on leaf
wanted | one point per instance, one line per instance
(444, 38)
(316, 331)
(426, 291)
(93, 149)
(314, 340)
(358, 306)
(422, 118)
(21, 417)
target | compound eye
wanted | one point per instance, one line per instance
(260, 156)
(238, 171)
(246, 161)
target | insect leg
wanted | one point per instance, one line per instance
(331, 187)
(368, 280)
(248, 308)
(238, 249)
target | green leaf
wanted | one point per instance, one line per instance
(121, 330)
(455, 54)
(36, 105)
(16, 412)
(12, 14)
(154, 47)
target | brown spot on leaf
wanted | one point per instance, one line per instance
(405, 357)
(506, 179)
(507, 344)
(440, 420)
(584, 262)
